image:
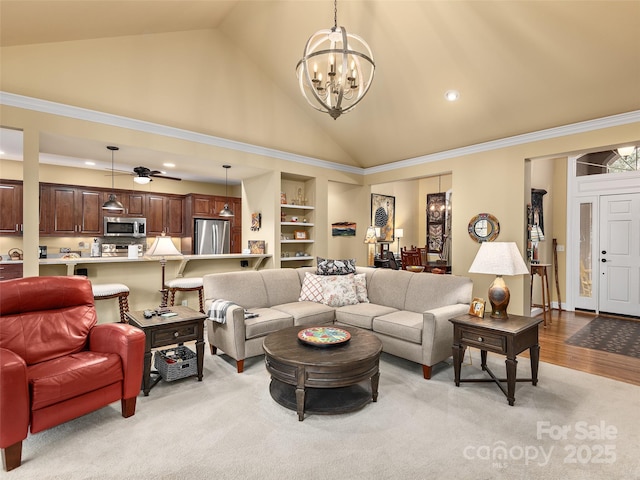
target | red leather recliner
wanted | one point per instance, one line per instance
(56, 363)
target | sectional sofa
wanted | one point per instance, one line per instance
(409, 312)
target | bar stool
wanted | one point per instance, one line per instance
(113, 290)
(189, 284)
(541, 270)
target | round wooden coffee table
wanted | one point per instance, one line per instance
(322, 379)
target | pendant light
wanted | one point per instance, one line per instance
(112, 205)
(225, 212)
(336, 69)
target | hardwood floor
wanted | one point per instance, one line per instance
(553, 349)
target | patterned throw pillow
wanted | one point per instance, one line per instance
(361, 287)
(339, 290)
(336, 267)
(312, 288)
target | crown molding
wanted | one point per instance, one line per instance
(78, 113)
(565, 130)
(46, 106)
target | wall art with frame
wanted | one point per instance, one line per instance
(383, 216)
(436, 221)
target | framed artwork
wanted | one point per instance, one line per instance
(477, 307)
(256, 247)
(300, 235)
(436, 221)
(383, 216)
(283, 198)
(343, 229)
(256, 221)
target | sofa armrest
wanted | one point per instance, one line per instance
(437, 332)
(230, 336)
(14, 398)
(128, 342)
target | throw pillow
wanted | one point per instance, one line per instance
(336, 267)
(361, 287)
(311, 289)
(339, 290)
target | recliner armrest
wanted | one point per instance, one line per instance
(14, 398)
(128, 342)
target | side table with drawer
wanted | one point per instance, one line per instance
(507, 337)
(186, 326)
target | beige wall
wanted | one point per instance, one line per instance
(144, 78)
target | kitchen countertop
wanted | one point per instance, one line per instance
(72, 262)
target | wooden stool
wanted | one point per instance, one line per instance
(185, 285)
(113, 290)
(541, 269)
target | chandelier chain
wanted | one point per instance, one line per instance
(335, 15)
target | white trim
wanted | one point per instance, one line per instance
(46, 106)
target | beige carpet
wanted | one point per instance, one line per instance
(228, 427)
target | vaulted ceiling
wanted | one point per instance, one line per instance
(520, 66)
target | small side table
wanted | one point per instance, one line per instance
(507, 337)
(188, 325)
(541, 270)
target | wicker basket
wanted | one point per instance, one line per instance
(176, 363)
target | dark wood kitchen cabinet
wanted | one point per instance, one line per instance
(74, 211)
(134, 203)
(165, 213)
(11, 208)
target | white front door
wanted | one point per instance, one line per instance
(619, 285)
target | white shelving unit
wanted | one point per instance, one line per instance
(292, 249)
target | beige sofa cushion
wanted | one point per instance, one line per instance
(361, 315)
(308, 313)
(427, 291)
(389, 287)
(282, 285)
(267, 321)
(402, 324)
(243, 288)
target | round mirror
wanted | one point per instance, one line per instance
(484, 227)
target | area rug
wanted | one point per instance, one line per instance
(609, 335)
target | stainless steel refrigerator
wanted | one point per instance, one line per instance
(211, 236)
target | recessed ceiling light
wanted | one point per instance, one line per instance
(169, 165)
(452, 95)
(88, 162)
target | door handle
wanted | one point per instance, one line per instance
(604, 260)
(604, 252)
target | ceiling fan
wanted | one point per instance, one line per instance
(143, 175)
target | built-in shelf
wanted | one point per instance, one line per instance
(293, 259)
(296, 241)
(296, 224)
(300, 207)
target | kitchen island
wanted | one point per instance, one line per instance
(143, 275)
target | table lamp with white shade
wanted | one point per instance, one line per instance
(370, 238)
(162, 248)
(499, 258)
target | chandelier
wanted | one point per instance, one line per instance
(336, 69)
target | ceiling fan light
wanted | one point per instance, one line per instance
(141, 180)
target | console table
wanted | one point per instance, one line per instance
(506, 337)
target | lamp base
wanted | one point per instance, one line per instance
(163, 304)
(499, 297)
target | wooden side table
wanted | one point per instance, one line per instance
(541, 270)
(507, 337)
(188, 325)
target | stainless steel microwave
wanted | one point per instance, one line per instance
(125, 227)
